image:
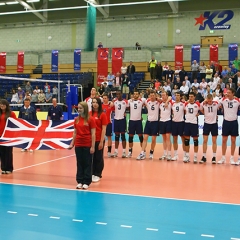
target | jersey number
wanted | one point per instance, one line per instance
(119, 106)
(210, 109)
(177, 109)
(190, 110)
(152, 107)
(135, 106)
(230, 105)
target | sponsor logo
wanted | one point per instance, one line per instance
(210, 19)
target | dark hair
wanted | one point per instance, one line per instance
(152, 91)
(232, 90)
(7, 111)
(105, 95)
(27, 99)
(99, 102)
(192, 93)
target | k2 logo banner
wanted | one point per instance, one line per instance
(217, 20)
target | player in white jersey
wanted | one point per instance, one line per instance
(151, 127)
(178, 124)
(209, 108)
(89, 99)
(191, 126)
(165, 126)
(230, 106)
(120, 106)
(135, 120)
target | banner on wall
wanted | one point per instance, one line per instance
(213, 53)
(77, 59)
(117, 59)
(179, 56)
(195, 53)
(232, 53)
(102, 64)
(20, 62)
(54, 65)
(3, 56)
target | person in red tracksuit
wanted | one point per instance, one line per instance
(101, 122)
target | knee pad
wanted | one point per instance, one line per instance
(123, 137)
(195, 141)
(117, 138)
(186, 141)
(130, 139)
(141, 138)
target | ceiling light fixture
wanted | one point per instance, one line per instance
(33, 1)
(11, 3)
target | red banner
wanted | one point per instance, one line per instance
(3, 56)
(20, 62)
(179, 56)
(117, 58)
(102, 65)
(213, 53)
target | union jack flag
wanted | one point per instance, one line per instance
(37, 135)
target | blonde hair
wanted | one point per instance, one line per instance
(86, 113)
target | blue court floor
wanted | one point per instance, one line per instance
(58, 214)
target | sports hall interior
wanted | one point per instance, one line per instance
(142, 200)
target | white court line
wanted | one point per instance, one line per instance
(52, 217)
(32, 215)
(176, 232)
(11, 212)
(77, 220)
(34, 165)
(101, 223)
(152, 229)
(235, 238)
(205, 235)
(125, 226)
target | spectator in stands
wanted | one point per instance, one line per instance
(15, 97)
(34, 98)
(225, 74)
(182, 74)
(238, 77)
(215, 97)
(231, 84)
(187, 82)
(55, 92)
(170, 84)
(158, 70)
(203, 84)
(152, 65)
(167, 88)
(37, 89)
(165, 69)
(177, 71)
(20, 99)
(227, 87)
(195, 84)
(219, 91)
(219, 66)
(130, 71)
(48, 96)
(55, 112)
(157, 84)
(209, 73)
(212, 84)
(208, 90)
(110, 79)
(202, 69)
(46, 87)
(138, 46)
(118, 80)
(41, 99)
(236, 63)
(199, 96)
(178, 83)
(238, 91)
(212, 66)
(194, 69)
(217, 71)
(107, 90)
(216, 78)
(222, 84)
(175, 90)
(125, 85)
(28, 88)
(101, 90)
(184, 88)
(114, 91)
(170, 73)
(20, 92)
(234, 74)
(123, 70)
(26, 95)
(100, 45)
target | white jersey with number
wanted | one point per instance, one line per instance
(120, 108)
(136, 109)
(191, 114)
(165, 111)
(230, 108)
(153, 110)
(178, 111)
(210, 112)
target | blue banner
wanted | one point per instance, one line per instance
(232, 53)
(195, 53)
(77, 60)
(54, 60)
